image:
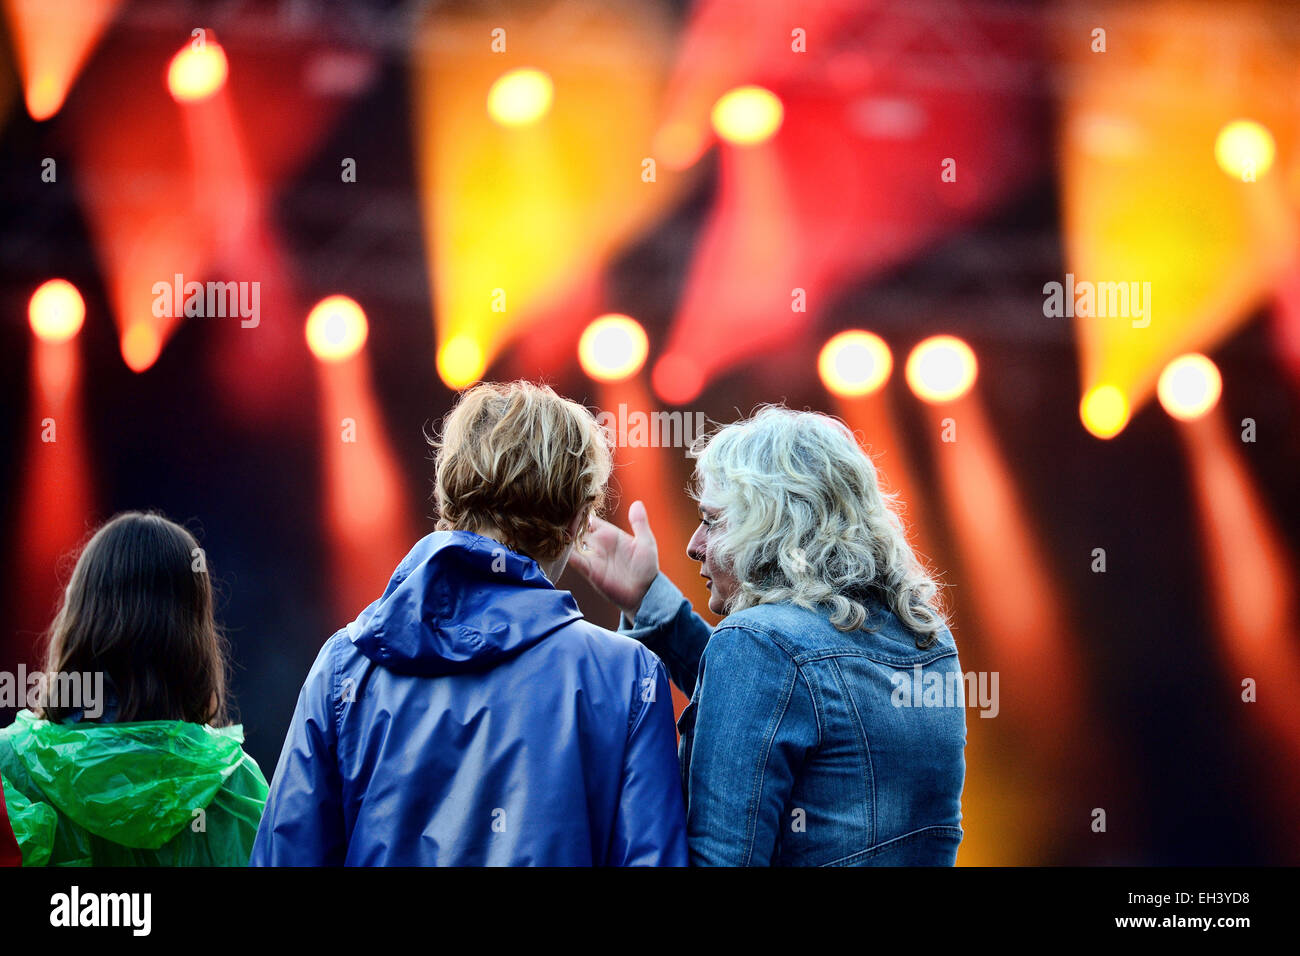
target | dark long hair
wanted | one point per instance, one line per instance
(137, 610)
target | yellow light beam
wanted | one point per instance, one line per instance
(1176, 222)
(534, 162)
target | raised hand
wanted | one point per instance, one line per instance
(619, 565)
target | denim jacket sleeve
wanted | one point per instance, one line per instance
(667, 625)
(754, 725)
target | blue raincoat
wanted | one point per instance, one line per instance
(471, 716)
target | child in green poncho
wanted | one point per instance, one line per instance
(125, 760)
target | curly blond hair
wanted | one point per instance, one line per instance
(519, 461)
(804, 520)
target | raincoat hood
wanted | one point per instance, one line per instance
(472, 717)
(460, 602)
(135, 784)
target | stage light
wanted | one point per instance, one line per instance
(1244, 149)
(488, 190)
(747, 115)
(51, 40)
(51, 492)
(1104, 411)
(196, 74)
(44, 97)
(677, 378)
(1189, 386)
(141, 345)
(612, 348)
(336, 328)
(774, 207)
(854, 363)
(520, 97)
(461, 361)
(56, 311)
(941, 368)
(1126, 219)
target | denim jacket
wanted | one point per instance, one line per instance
(806, 746)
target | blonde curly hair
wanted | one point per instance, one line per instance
(803, 519)
(520, 461)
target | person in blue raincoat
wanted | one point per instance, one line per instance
(471, 715)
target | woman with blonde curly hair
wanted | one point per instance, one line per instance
(471, 716)
(803, 743)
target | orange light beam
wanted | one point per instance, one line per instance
(224, 195)
(1012, 603)
(52, 39)
(370, 530)
(55, 491)
(230, 200)
(1252, 589)
(1018, 606)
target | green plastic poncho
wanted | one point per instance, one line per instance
(147, 793)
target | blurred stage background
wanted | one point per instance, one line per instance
(745, 180)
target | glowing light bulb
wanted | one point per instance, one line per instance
(747, 115)
(613, 348)
(941, 368)
(855, 363)
(461, 361)
(197, 73)
(1104, 411)
(56, 311)
(1244, 149)
(336, 328)
(1189, 386)
(521, 97)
